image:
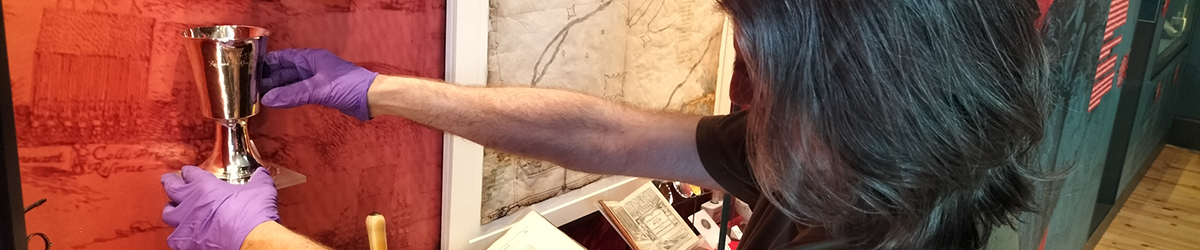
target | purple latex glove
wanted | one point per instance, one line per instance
(297, 77)
(208, 213)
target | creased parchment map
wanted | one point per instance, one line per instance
(656, 54)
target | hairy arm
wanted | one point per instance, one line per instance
(574, 130)
(271, 235)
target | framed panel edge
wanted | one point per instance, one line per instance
(13, 220)
(728, 57)
(466, 64)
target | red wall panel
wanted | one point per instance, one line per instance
(105, 103)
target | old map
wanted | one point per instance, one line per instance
(656, 54)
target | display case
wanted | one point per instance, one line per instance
(1175, 23)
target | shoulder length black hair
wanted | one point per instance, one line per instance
(895, 124)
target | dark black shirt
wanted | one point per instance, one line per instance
(721, 143)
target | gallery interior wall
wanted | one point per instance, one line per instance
(105, 104)
(1159, 94)
(1105, 139)
(1188, 105)
(1074, 35)
(1088, 42)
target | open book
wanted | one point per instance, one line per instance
(648, 222)
(533, 232)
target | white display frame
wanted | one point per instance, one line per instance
(462, 160)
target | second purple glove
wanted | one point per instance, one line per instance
(316, 76)
(208, 213)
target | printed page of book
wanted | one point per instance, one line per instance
(649, 221)
(534, 232)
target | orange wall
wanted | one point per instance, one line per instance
(105, 104)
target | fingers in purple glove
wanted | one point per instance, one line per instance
(195, 174)
(285, 58)
(280, 77)
(325, 80)
(292, 95)
(176, 187)
(208, 213)
(262, 176)
(171, 215)
(282, 69)
(173, 184)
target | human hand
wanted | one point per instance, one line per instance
(208, 213)
(315, 76)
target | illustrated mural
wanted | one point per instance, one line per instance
(105, 104)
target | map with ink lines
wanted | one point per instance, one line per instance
(655, 54)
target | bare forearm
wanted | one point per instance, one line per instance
(271, 235)
(575, 130)
(543, 123)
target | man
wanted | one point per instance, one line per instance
(895, 124)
